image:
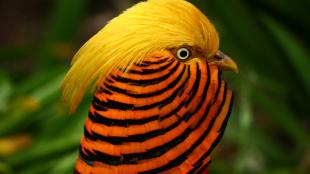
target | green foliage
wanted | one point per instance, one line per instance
(269, 128)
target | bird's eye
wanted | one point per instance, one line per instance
(183, 53)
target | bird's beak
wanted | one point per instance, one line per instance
(223, 61)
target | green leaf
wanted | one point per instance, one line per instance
(283, 116)
(298, 55)
(6, 89)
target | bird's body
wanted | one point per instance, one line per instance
(163, 110)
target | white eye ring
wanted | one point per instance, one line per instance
(183, 53)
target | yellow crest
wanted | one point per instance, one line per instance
(147, 27)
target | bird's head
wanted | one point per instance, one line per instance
(150, 28)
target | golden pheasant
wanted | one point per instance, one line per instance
(160, 105)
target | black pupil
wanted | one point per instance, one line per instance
(183, 53)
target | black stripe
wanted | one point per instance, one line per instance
(111, 104)
(157, 151)
(223, 127)
(141, 64)
(138, 137)
(97, 105)
(205, 94)
(214, 119)
(146, 95)
(202, 169)
(147, 82)
(188, 115)
(187, 78)
(89, 163)
(132, 158)
(219, 79)
(155, 62)
(104, 90)
(195, 87)
(145, 136)
(217, 140)
(182, 103)
(131, 138)
(102, 157)
(127, 122)
(221, 130)
(101, 119)
(177, 161)
(145, 71)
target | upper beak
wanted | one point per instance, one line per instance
(223, 61)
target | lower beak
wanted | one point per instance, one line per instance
(223, 61)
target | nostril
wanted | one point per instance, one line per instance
(219, 55)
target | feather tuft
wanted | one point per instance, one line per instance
(148, 27)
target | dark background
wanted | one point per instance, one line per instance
(268, 131)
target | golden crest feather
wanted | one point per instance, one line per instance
(148, 27)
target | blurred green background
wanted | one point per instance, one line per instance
(268, 131)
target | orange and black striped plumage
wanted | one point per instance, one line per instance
(162, 116)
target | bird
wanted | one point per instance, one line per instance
(160, 103)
